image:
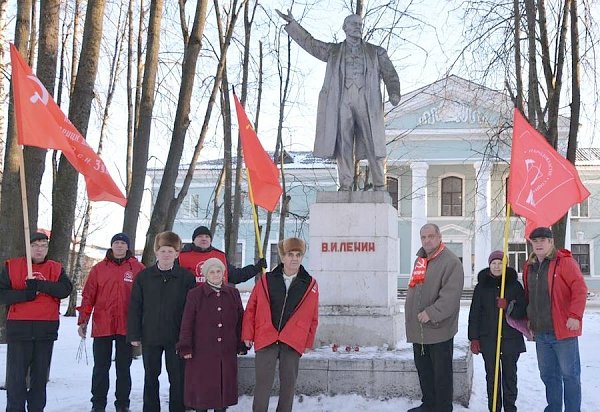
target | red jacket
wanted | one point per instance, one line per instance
(106, 293)
(44, 306)
(299, 331)
(193, 260)
(568, 292)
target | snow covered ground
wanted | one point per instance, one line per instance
(69, 386)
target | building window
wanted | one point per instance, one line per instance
(191, 206)
(581, 209)
(392, 188)
(452, 196)
(517, 256)
(274, 258)
(581, 253)
(238, 260)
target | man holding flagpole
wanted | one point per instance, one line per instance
(557, 294)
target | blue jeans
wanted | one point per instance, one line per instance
(558, 361)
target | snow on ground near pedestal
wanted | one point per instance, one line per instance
(69, 386)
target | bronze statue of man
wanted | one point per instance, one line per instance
(350, 109)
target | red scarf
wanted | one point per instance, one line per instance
(418, 274)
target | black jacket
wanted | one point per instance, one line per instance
(283, 304)
(156, 305)
(26, 330)
(483, 316)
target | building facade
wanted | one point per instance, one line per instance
(448, 164)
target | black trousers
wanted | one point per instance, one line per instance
(507, 380)
(152, 356)
(434, 366)
(22, 356)
(103, 349)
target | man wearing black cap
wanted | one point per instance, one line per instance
(556, 293)
(193, 256)
(32, 323)
(105, 298)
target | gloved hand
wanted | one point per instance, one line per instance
(475, 347)
(501, 303)
(260, 264)
(82, 330)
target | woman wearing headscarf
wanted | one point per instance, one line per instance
(483, 329)
(209, 341)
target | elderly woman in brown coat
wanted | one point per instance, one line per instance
(210, 339)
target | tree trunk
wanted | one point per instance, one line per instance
(64, 194)
(35, 157)
(12, 241)
(159, 219)
(141, 142)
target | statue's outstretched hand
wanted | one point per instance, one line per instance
(287, 17)
(394, 99)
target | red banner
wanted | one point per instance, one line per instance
(41, 123)
(264, 175)
(542, 184)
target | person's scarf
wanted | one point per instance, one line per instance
(418, 274)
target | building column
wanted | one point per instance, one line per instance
(419, 204)
(483, 230)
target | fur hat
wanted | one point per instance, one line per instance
(37, 236)
(539, 232)
(201, 230)
(291, 244)
(209, 263)
(495, 255)
(167, 239)
(122, 237)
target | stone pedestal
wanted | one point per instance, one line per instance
(355, 258)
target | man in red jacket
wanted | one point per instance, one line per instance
(106, 295)
(32, 323)
(281, 322)
(193, 256)
(556, 293)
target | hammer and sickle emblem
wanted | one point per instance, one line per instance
(36, 96)
(420, 264)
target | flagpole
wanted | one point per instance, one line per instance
(255, 219)
(500, 310)
(25, 212)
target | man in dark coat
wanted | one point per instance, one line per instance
(32, 323)
(483, 329)
(154, 319)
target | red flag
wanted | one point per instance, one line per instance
(542, 184)
(41, 123)
(264, 175)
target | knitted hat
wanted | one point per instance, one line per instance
(291, 244)
(37, 236)
(495, 255)
(167, 239)
(539, 232)
(123, 238)
(201, 230)
(209, 263)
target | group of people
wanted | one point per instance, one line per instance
(548, 307)
(183, 306)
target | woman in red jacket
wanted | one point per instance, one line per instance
(281, 321)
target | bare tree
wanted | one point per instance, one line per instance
(12, 239)
(3, 83)
(164, 197)
(64, 194)
(141, 142)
